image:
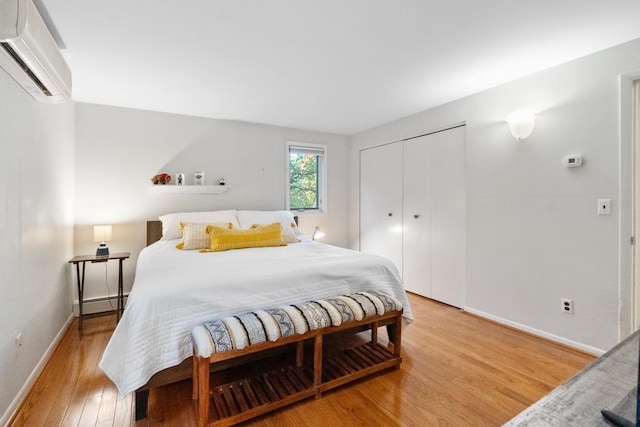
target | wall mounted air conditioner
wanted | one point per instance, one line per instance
(30, 55)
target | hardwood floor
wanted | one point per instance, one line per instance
(457, 369)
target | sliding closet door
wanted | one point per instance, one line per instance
(381, 202)
(412, 211)
(417, 216)
(448, 228)
(434, 216)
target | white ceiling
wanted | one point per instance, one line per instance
(340, 66)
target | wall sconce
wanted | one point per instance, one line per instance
(317, 233)
(102, 234)
(521, 123)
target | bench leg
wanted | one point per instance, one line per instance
(397, 338)
(374, 332)
(194, 376)
(299, 354)
(202, 399)
(394, 332)
(142, 399)
(317, 364)
(391, 332)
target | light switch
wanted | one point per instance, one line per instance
(604, 206)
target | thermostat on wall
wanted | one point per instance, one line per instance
(573, 161)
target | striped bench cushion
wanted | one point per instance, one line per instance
(238, 332)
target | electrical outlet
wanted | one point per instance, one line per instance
(567, 305)
(604, 206)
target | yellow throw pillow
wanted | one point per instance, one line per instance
(288, 235)
(224, 239)
(194, 234)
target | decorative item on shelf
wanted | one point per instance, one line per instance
(161, 178)
(521, 123)
(222, 182)
(179, 179)
(198, 178)
(317, 233)
(102, 234)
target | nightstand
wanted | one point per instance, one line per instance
(83, 259)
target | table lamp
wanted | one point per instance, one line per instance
(102, 234)
(317, 233)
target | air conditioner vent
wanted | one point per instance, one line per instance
(25, 68)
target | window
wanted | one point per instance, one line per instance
(306, 176)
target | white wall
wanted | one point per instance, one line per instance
(533, 236)
(118, 150)
(36, 225)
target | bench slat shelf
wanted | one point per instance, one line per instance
(244, 399)
(355, 363)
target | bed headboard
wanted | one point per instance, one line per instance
(154, 230)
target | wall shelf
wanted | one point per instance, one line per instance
(191, 189)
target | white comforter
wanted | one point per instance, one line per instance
(176, 290)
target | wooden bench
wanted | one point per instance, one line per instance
(276, 387)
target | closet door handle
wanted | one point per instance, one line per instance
(416, 216)
(390, 214)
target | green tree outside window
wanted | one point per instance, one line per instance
(303, 172)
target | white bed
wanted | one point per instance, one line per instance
(175, 290)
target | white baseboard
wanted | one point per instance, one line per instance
(569, 343)
(22, 394)
(97, 305)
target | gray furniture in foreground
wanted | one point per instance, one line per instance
(608, 383)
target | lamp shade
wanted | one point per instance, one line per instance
(101, 233)
(521, 123)
(317, 233)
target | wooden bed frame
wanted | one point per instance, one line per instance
(184, 370)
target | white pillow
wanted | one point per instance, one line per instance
(171, 222)
(249, 218)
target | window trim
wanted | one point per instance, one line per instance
(322, 176)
